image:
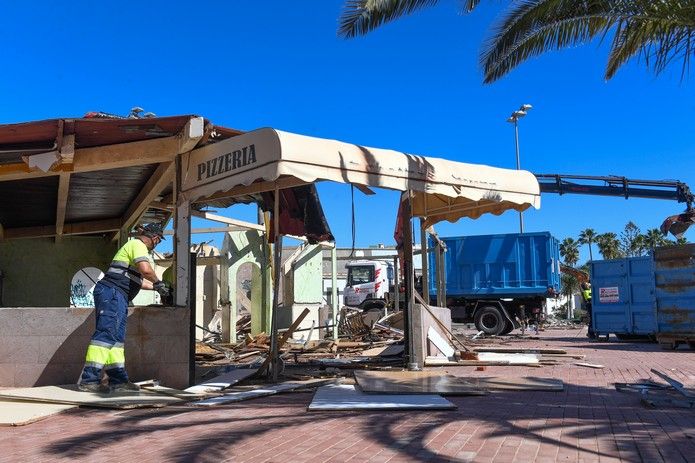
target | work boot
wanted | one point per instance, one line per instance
(93, 387)
(125, 387)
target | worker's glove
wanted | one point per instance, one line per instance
(161, 288)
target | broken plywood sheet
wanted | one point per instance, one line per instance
(18, 413)
(384, 351)
(348, 397)
(239, 396)
(222, 382)
(69, 394)
(415, 382)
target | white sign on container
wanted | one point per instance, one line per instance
(609, 294)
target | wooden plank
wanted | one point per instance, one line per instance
(62, 202)
(285, 336)
(511, 350)
(161, 178)
(677, 385)
(18, 413)
(191, 134)
(588, 365)
(78, 228)
(512, 358)
(120, 155)
(67, 148)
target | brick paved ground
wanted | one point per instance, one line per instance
(588, 422)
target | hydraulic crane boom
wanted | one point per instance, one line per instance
(624, 187)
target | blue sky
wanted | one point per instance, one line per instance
(413, 85)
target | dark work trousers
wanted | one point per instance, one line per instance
(106, 348)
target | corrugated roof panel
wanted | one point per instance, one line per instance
(105, 194)
(29, 203)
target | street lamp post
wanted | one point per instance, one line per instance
(514, 119)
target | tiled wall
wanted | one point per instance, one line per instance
(46, 346)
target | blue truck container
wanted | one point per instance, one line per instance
(674, 272)
(494, 280)
(622, 296)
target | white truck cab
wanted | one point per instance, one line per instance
(369, 283)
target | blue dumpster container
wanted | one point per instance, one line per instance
(622, 296)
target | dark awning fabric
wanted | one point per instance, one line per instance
(301, 214)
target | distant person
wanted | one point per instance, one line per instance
(586, 296)
(130, 271)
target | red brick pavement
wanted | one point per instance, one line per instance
(588, 422)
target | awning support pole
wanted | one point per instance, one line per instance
(424, 255)
(396, 285)
(413, 323)
(277, 251)
(334, 289)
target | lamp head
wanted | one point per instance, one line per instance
(525, 107)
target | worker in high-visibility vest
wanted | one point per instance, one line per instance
(586, 296)
(129, 271)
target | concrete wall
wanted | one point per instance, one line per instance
(46, 346)
(38, 272)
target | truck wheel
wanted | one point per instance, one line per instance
(508, 327)
(490, 320)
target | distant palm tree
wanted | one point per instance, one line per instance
(660, 32)
(569, 250)
(609, 245)
(588, 236)
(654, 238)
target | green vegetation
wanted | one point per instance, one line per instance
(657, 32)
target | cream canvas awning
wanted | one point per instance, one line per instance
(442, 189)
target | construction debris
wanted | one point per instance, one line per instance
(70, 395)
(588, 365)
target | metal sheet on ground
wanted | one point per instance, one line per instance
(18, 413)
(526, 383)
(222, 381)
(239, 396)
(415, 382)
(347, 397)
(69, 394)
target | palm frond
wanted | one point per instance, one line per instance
(534, 27)
(659, 31)
(360, 17)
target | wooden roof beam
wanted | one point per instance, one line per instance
(77, 228)
(160, 179)
(62, 203)
(114, 156)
